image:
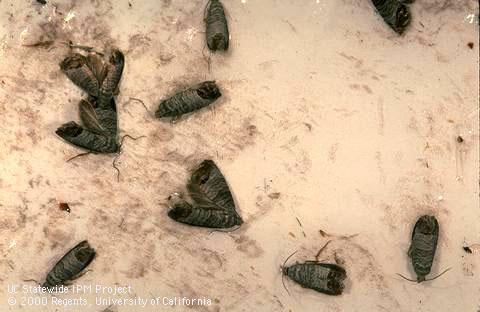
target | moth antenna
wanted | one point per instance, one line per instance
(431, 279)
(32, 280)
(120, 151)
(141, 102)
(321, 249)
(411, 280)
(224, 231)
(207, 59)
(282, 267)
(115, 166)
(283, 282)
(206, 9)
(81, 47)
(79, 155)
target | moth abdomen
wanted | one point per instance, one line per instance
(217, 28)
(189, 100)
(70, 265)
(395, 13)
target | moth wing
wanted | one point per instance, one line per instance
(76, 69)
(114, 71)
(86, 139)
(89, 117)
(97, 66)
(208, 186)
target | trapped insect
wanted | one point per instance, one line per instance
(395, 13)
(217, 27)
(71, 265)
(98, 78)
(212, 202)
(326, 278)
(423, 246)
(99, 131)
(189, 100)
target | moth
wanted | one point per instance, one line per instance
(395, 13)
(326, 278)
(94, 76)
(212, 202)
(71, 265)
(98, 113)
(217, 28)
(423, 247)
(189, 100)
(99, 131)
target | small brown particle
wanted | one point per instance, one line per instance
(64, 207)
(274, 195)
(459, 139)
(470, 45)
(467, 249)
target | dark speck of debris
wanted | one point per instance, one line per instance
(42, 1)
(467, 249)
(470, 45)
(459, 139)
(64, 207)
(129, 4)
(274, 195)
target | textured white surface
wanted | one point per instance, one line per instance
(353, 126)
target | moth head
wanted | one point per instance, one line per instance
(402, 19)
(202, 173)
(85, 254)
(179, 207)
(209, 90)
(219, 42)
(70, 129)
(427, 224)
(117, 58)
(335, 285)
(72, 61)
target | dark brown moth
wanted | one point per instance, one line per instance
(99, 131)
(423, 247)
(71, 265)
(217, 28)
(395, 13)
(93, 75)
(326, 278)
(212, 202)
(189, 100)
(99, 78)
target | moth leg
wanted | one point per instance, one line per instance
(409, 253)
(79, 155)
(70, 281)
(175, 119)
(321, 249)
